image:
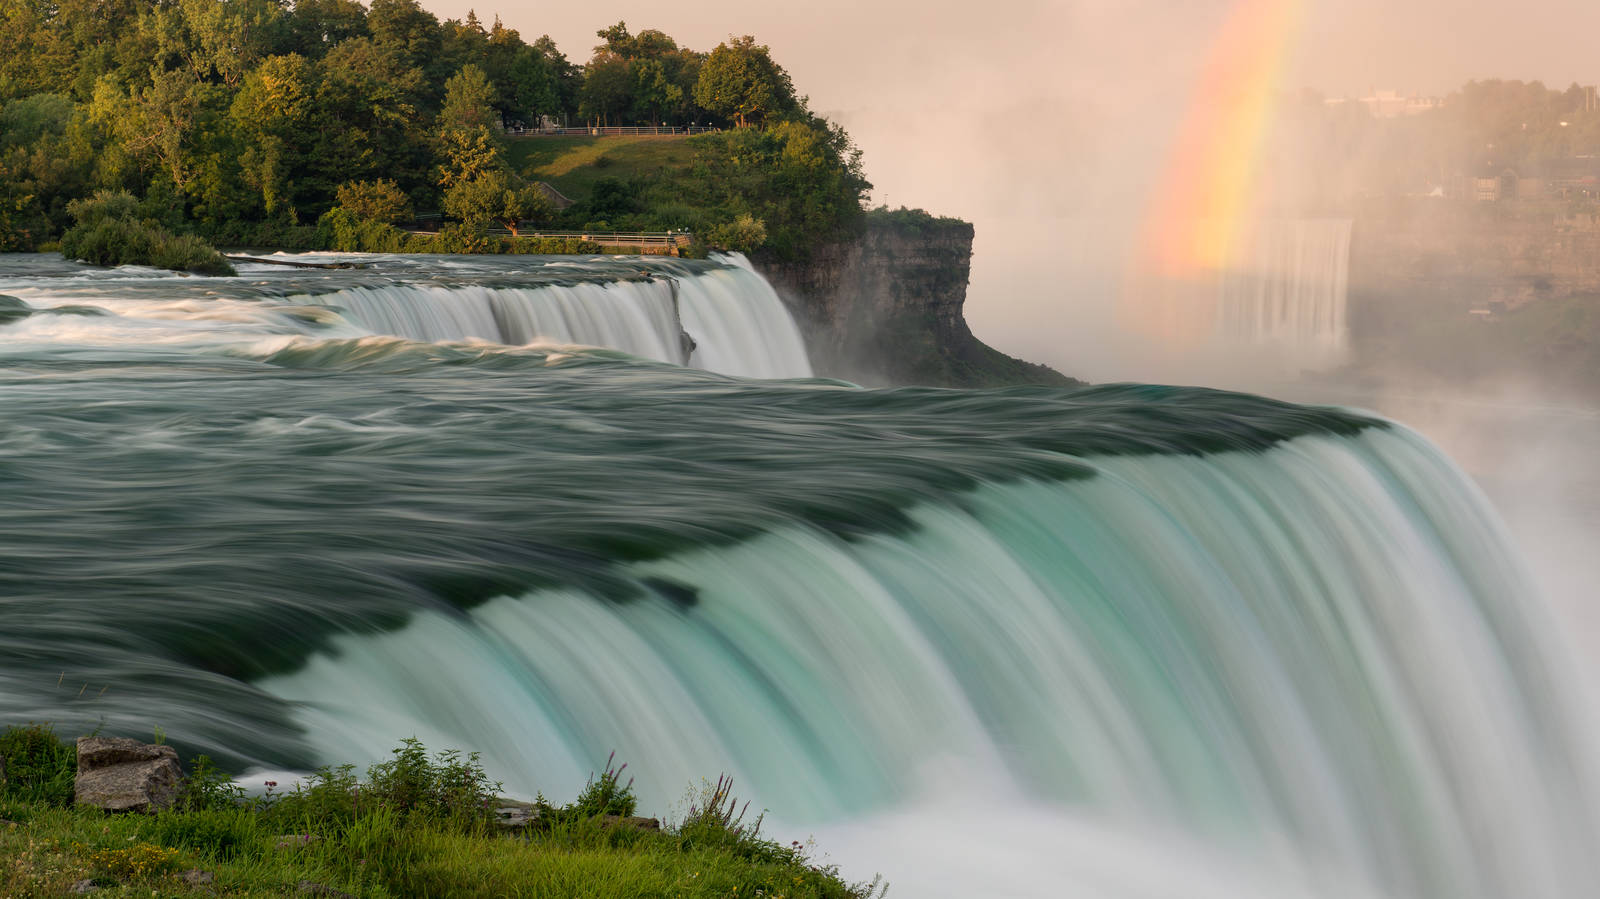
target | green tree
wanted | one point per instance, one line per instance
(469, 102)
(369, 119)
(740, 81)
(273, 113)
(498, 197)
(654, 94)
(405, 29)
(318, 26)
(375, 201)
(607, 91)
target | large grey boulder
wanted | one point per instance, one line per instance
(122, 775)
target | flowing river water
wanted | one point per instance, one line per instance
(1117, 641)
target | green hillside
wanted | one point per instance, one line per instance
(572, 164)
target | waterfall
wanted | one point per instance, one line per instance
(1288, 644)
(1318, 645)
(636, 318)
(644, 306)
(734, 320)
(1279, 298)
(1287, 288)
(739, 325)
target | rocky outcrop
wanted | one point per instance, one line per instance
(123, 775)
(1473, 256)
(885, 307)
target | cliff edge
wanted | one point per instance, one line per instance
(885, 307)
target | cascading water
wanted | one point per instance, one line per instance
(1269, 650)
(642, 306)
(1276, 300)
(1287, 288)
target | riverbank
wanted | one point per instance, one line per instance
(413, 826)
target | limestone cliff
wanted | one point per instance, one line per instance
(885, 308)
(1505, 292)
(1444, 260)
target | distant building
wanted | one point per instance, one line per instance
(1577, 176)
(1493, 183)
(1390, 104)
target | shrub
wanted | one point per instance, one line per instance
(375, 201)
(462, 238)
(552, 246)
(39, 766)
(447, 788)
(343, 231)
(206, 787)
(745, 234)
(329, 797)
(107, 233)
(715, 819)
(603, 795)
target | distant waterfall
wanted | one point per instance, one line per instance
(637, 318)
(1288, 286)
(735, 321)
(1280, 292)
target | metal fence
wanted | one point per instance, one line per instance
(614, 131)
(430, 223)
(678, 239)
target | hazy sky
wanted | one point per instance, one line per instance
(1027, 117)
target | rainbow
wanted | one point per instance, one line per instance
(1204, 199)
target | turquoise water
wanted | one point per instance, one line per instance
(255, 515)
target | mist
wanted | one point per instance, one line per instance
(1047, 125)
(1046, 122)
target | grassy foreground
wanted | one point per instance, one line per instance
(415, 826)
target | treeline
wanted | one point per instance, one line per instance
(1481, 130)
(247, 121)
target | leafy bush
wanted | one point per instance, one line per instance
(602, 795)
(917, 221)
(207, 787)
(716, 819)
(341, 230)
(375, 201)
(461, 238)
(39, 766)
(553, 246)
(107, 233)
(329, 797)
(447, 788)
(744, 234)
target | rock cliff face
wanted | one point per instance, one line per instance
(1448, 261)
(1504, 293)
(885, 308)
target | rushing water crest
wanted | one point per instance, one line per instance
(292, 518)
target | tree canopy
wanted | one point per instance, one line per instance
(248, 119)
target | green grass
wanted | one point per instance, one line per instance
(573, 164)
(45, 850)
(415, 826)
